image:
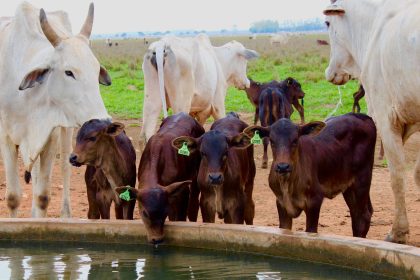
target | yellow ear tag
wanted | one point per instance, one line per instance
(184, 150)
(256, 139)
(126, 195)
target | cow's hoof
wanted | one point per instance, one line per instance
(264, 165)
(399, 237)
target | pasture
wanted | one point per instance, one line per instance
(302, 59)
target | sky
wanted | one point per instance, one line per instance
(113, 16)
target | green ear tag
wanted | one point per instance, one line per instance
(125, 195)
(184, 150)
(256, 139)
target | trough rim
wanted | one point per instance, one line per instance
(389, 259)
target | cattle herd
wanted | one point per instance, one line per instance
(50, 85)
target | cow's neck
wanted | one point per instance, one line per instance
(112, 163)
(363, 14)
(224, 58)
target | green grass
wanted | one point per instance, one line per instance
(301, 59)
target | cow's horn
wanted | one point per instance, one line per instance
(87, 26)
(47, 29)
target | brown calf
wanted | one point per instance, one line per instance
(111, 162)
(273, 105)
(311, 162)
(322, 42)
(290, 87)
(227, 171)
(164, 177)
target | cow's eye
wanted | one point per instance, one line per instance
(69, 74)
(327, 23)
(92, 139)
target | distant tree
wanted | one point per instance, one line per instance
(264, 26)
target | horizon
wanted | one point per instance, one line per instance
(126, 16)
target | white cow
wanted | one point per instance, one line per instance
(379, 43)
(195, 76)
(49, 84)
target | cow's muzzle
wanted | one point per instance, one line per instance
(73, 160)
(283, 168)
(215, 178)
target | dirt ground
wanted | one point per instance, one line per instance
(334, 217)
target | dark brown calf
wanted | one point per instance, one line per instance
(311, 162)
(227, 171)
(290, 87)
(273, 105)
(111, 162)
(164, 177)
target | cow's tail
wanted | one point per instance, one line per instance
(160, 48)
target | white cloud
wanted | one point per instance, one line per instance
(161, 15)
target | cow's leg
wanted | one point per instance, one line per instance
(65, 149)
(218, 105)
(361, 210)
(152, 104)
(14, 189)
(208, 207)
(193, 202)
(204, 115)
(257, 115)
(42, 177)
(104, 204)
(249, 206)
(300, 109)
(285, 221)
(417, 172)
(312, 214)
(129, 210)
(264, 164)
(93, 212)
(394, 152)
(119, 210)
(235, 214)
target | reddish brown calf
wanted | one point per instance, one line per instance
(227, 171)
(273, 105)
(311, 162)
(164, 177)
(290, 87)
(111, 162)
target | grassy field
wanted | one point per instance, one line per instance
(300, 58)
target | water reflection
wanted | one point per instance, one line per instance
(31, 260)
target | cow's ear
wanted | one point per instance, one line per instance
(240, 141)
(32, 78)
(104, 78)
(334, 10)
(176, 189)
(260, 130)
(249, 54)
(289, 81)
(312, 128)
(177, 186)
(127, 193)
(186, 142)
(115, 129)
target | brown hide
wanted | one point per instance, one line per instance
(311, 162)
(161, 165)
(109, 155)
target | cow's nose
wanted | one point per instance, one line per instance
(215, 178)
(283, 168)
(73, 160)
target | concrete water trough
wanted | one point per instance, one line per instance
(382, 257)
